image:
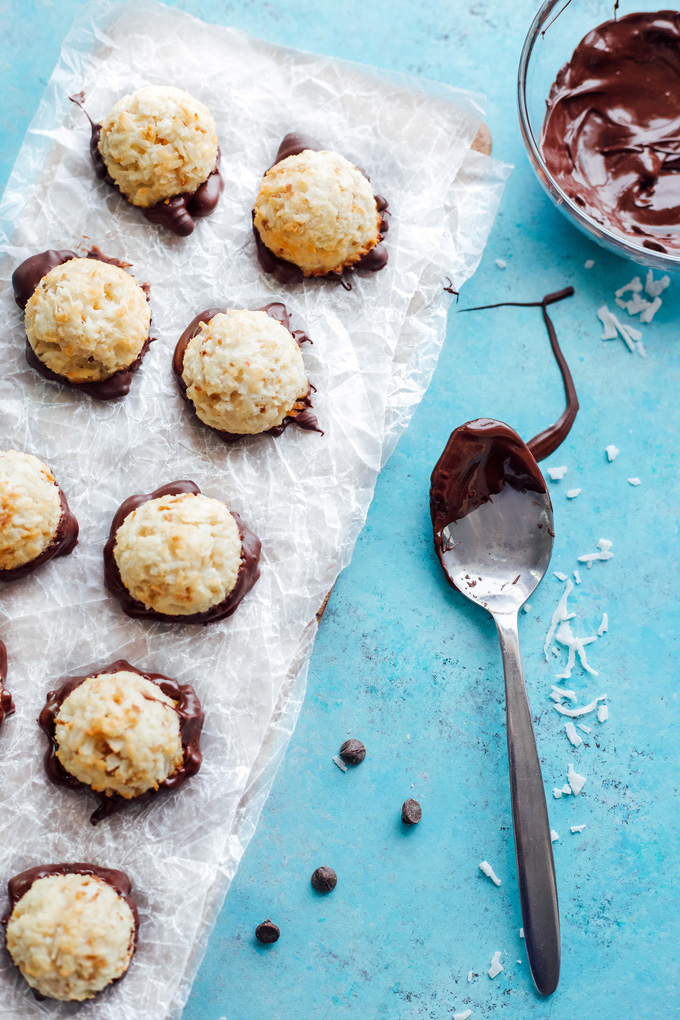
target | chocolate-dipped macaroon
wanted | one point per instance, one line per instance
(6, 703)
(124, 733)
(35, 521)
(87, 320)
(158, 148)
(242, 372)
(71, 929)
(316, 215)
(179, 556)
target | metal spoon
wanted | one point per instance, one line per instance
(493, 530)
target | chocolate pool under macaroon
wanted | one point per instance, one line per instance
(180, 556)
(71, 929)
(36, 523)
(6, 703)
(158, 148)
(316, 215)
(242, 372)
(87, 320)
(124, 733)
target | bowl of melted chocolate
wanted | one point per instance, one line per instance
(598, 92)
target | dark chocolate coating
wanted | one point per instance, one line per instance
(118, 880)
(177, 213)
(304, 419)
(190, 713)
(324, 879)
(411, 812)
(547, 441)
(248, 574)
(479, 460)
(6, 703)
(287, 272)
(611, 136)
(26, 278)
(63, 543)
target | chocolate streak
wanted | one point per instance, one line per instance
(547, 441)
(6, 703)
(611, 136)
(176, 213)
(190, 713)
(286, 272)
(64, 542)
(26, 278)
(248, 573)
(18, 886)
(480, 459)
(301, 413)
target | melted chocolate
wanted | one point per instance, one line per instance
(480, 459)
(611, 136)
(248, 573)
(547, 441)
(64, 542)
(118, 880)
(26, 278)
(301, 412)
(190, 713)
(6, 703)
(286, 272)
(177, 213)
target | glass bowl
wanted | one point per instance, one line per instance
(553, 36)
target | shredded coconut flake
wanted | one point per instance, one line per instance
(575, 645)
(340, 763)
(557, 473)
(656, 287)
(575, 780)
(557, 793)
(469, 975)
(650, 311)
(573, 493)
(577, 577)
(561, 692)
(521, 933)
(526, 607)
(635, 286)
(604, 545)
(501, 263)
(462, 1016)
(566, 790)
(640, 348)
(489, 872)
(554, 836)
(572, 734)
(612, 452)
(602, 713)
(559, 575)
(496, 965)
(613, 328)
(604, 626)
(583, 710)
(577, 828)
(589, 263)
(559, 616)
(633, 481)
(582, 726)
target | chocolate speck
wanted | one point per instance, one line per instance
(352, 752)
(267, 932)
(411, 812)
(324, 879)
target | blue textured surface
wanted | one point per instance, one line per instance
(404, 663)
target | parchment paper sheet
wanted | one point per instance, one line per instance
(306, 496)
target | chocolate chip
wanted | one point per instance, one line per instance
(411, 812)
(352, 752)
(324, 879)
(267, 932)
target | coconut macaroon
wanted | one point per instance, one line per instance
(317, 210)
(30, 509)
(87, 320)
(118, 733)
(180, 554)
(156, 143)
(71, 935)
(243, 372)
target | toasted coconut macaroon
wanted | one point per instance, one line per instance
(6, 703)
(242, 372)
(87, 320)
(317, 210)
(72, 929)
(35, 521)
(178, 555)
(123, 733)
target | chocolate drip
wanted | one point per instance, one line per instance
(611, 136)
(480, 459)
(190, 713)
(248, 573)
(63, 543)
(547, 441)
(6, 703)
(176, 213)
(301, 413)
(286, 272)
(118, 880)
(26, 278)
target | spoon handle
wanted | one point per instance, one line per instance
(533, 845)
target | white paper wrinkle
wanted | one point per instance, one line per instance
(306, 496)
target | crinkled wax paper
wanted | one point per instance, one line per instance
(305, 495)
